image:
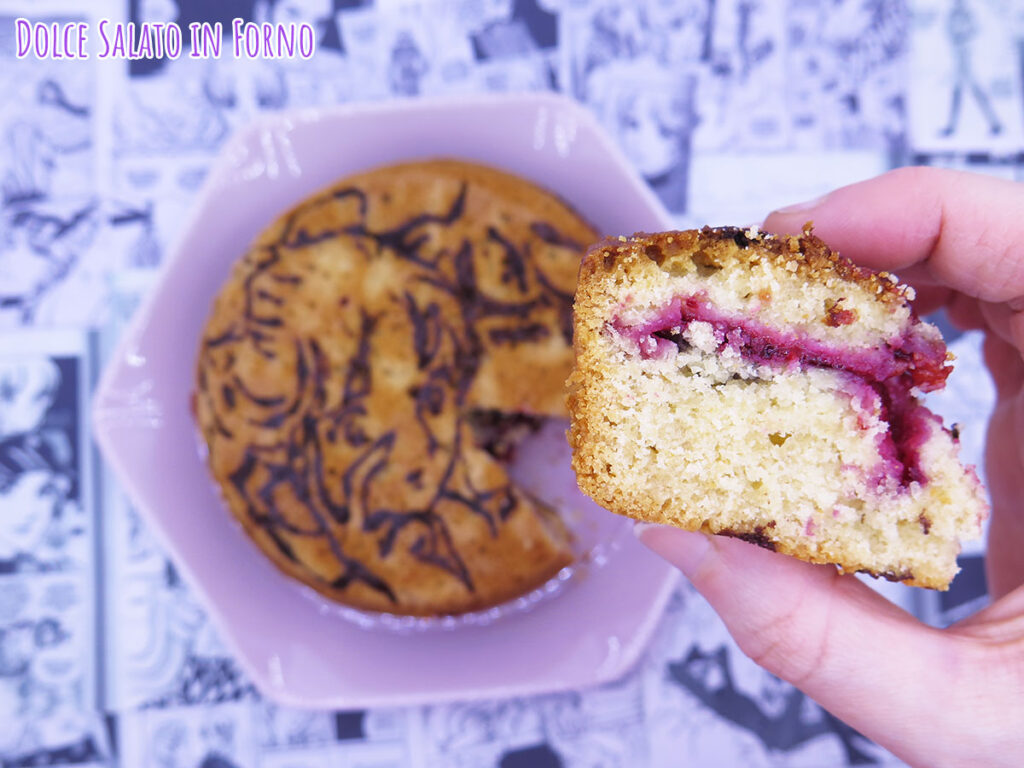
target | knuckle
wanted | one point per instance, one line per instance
(913, 175)
(788, 646)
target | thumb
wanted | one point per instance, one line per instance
(864, 659)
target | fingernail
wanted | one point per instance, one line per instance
(801, 207)
(639, 527)
(686, 550)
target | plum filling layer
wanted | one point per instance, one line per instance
(889, 372)
(500, 433)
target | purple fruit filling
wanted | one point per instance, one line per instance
(888, 372)
(500, 433)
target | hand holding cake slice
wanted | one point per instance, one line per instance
(763, 387)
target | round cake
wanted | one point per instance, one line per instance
(367, 369)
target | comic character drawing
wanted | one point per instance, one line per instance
(478, 734)
(594, 728)
(144, 243)
(407, 66)
(868, 40)
(636, 66)
(41, 722)
(217, 87)
(183, 13)
(40, 247)
(169, 745)
(775, 712)
(190, 739)
(287, 727)
(515, 28)
(153, 197)
(651, 113)
(28, 389)
(613, 33)
(844, 84)
(172, 655)
(23, 641)
(47, 218)
(748, 65)
(751, 46)
(962, 29)
(324, 79)
(600, 727)
(180, 105)
(704, 698)
(218, 740)
(46, 145)
(41, 526)
(673, 35)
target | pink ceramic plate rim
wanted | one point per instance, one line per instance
(129, 406)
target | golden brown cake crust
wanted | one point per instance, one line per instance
(805, 254)
(357, 361)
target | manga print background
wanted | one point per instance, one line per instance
(727, 107)
(41, 523)
(49, 207)
(48, 651)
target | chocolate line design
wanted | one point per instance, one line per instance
(552, 236)
(303, 417)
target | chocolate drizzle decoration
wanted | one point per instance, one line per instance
(291, 489)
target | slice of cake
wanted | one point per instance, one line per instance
(762, 387)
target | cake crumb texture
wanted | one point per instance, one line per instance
(763, 387)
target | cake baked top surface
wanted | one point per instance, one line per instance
(739, 271)
(805, 255)
(364, 363)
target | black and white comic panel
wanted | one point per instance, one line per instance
(600, 726)
(161, 648)
(247, 734)
(705, 699)
(48, 699)
(49, 206)
(966, 76)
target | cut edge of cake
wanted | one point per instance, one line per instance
(761, 386)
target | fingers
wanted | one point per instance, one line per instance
(930, 297)
(964, 228)
(965, 312)
(1000, 622)
(1005, 364)
(864, 659)
(1004, 457)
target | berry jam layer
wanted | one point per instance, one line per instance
(889, 371)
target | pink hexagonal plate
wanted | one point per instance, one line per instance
(296, 648)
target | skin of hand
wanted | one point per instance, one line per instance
(951, 697)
